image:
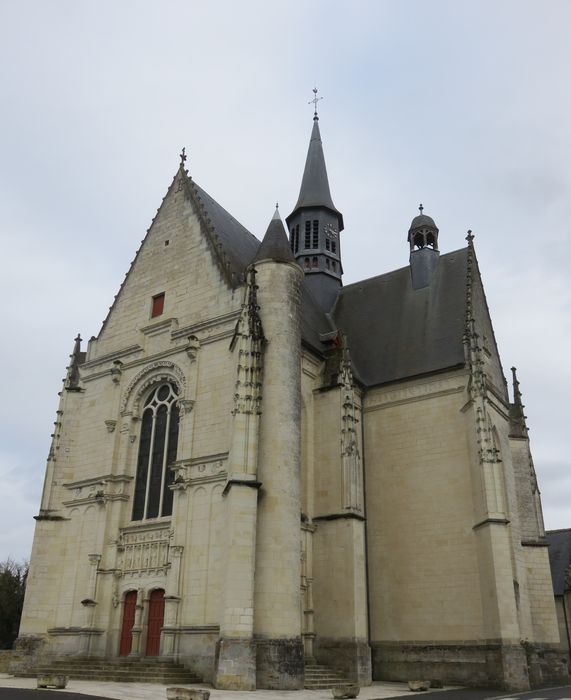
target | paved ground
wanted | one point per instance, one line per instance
(12, 688)
(25, 689)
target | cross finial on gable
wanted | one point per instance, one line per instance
(314, 101)
(183, 155)
(470, 237)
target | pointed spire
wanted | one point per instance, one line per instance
(314, 190)
(275, 245)
(276, 215)
(518, 425)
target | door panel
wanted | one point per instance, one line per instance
(155, 622)
(129, 607)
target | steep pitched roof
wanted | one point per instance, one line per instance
(241, 248)
(559, 557)
(395, 331)
(239, 245)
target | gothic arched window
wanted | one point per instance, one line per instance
(157, 449)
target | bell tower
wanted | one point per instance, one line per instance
(315, 225)
(423, 241)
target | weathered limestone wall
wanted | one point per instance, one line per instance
(185, 269)
(328, 475)
(86, 545)
(563, 622)
(340, 598)
(528, 499)
(339, 571)
(542, 601)
(423, 561)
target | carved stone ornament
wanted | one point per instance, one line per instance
(110, 425)
(185, 406)
(161, 370)
(193, 347)
(116, 371)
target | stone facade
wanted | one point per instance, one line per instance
(389, 529)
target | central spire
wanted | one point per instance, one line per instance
(315, 224)
(314, 190)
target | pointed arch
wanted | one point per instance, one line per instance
(161, 370)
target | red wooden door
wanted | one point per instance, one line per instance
(129, 606)
(155, 622)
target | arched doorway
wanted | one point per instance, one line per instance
(155, 622)
(129, 609)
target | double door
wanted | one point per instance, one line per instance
(155, 621)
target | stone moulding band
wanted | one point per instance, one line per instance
(534, 543)
(340, 516)
(194, 629)
(490, 521)
(73, 631)
(241, 482)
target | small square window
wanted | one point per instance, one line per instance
(158, 305)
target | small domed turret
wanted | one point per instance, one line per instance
(423, 240)
(423, 232)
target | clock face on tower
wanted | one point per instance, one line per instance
(330, 231)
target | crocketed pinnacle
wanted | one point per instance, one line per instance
(518, 424)
(275, 245)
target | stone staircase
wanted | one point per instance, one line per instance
(122, 670)
(319, 677)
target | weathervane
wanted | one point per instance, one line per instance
(314, 101)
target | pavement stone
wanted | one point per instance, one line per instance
(155, 691)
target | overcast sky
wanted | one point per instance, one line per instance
(463, 106)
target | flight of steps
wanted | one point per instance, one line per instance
(319, 677)
(124, 670)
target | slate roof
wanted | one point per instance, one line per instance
(238, 243)
(395, 331)
(559, 557)
(275, 245)
(241, 247)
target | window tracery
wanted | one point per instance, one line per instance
(157, 449)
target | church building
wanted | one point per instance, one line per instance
(256, 469)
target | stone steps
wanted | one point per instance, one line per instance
(117, 670)
(319, 677)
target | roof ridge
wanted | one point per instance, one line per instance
(398, 269)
